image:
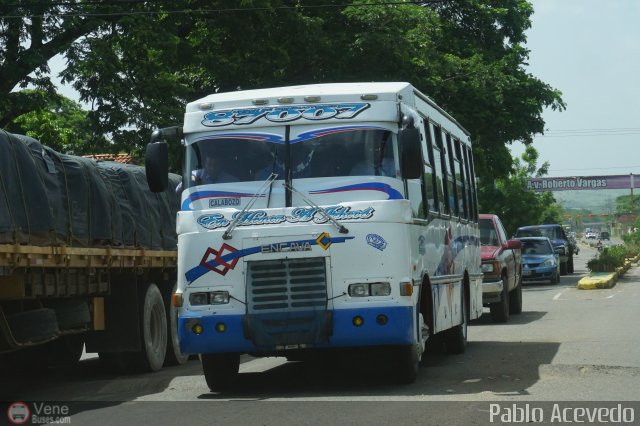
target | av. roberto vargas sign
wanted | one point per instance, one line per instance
(577, 183)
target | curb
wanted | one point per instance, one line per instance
(599, 280)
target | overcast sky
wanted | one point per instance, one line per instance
(589, 50)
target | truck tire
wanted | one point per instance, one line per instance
(515, 300)
(456, 337)
(173, 355)
(500, 310)
(33, 326)
(153, 330)
(563, 268)
(220, 370)
(570, 264)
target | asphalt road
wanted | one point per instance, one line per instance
(567, 345)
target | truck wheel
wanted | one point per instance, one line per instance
(173, 356)
(563, 268)
(570, 265)
(33, 326)
(515, 300)
(500, 310)
(153, 330)
(220, 370)
(456, 337)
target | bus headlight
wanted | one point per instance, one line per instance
(380, 289)
(369, 289)
(209, 298)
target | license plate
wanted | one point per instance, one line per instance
(526, 272)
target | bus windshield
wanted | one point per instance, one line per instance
(370, 152)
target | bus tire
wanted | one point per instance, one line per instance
(500, 310)
(153, 331)
(220, 370)
(408, 365)
(515, 299)
(456, 337)
(173, 356)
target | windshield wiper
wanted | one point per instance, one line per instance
(341, 227)
(266, 184)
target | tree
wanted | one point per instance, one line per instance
(509, 199)
(137, 63)
(61, 124)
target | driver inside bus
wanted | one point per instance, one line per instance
(212, 172)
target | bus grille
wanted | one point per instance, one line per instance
(286, 285)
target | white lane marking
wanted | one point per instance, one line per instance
(609, 297)
(557, 296)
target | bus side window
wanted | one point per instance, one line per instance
(473, 202)
(415, 193)
(430, 194)
(439, 170)
(451, 184)
(461, 183)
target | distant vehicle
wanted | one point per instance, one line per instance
(540, 262)
(590, 235)
(605, 235)
(559, 240)
(501, 269)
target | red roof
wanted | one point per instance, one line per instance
(118, 158)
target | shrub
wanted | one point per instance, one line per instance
(610, 259)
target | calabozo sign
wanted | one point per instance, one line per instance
(577, 183)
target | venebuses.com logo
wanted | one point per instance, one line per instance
(18, 413)
(38, 413)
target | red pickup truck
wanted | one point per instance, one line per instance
(502, 269)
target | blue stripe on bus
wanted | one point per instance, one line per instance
(398, 330)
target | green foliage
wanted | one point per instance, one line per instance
(609, 259)
(509, 199)
(137, 64)
(61, 124)
(623, 203)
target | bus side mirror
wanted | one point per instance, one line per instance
(156, 163)
(410, 153)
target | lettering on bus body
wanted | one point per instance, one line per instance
(298, 215)
(283, 114)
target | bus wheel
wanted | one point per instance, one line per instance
(456, 337)
(153, 331)
(220, 370)
(173, 356)
(406, 370)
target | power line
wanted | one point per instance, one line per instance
(208, 11)
(613, 131)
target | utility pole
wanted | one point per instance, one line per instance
(631, 181)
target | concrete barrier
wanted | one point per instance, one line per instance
(597, 280)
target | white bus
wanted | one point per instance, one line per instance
(321, 217)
